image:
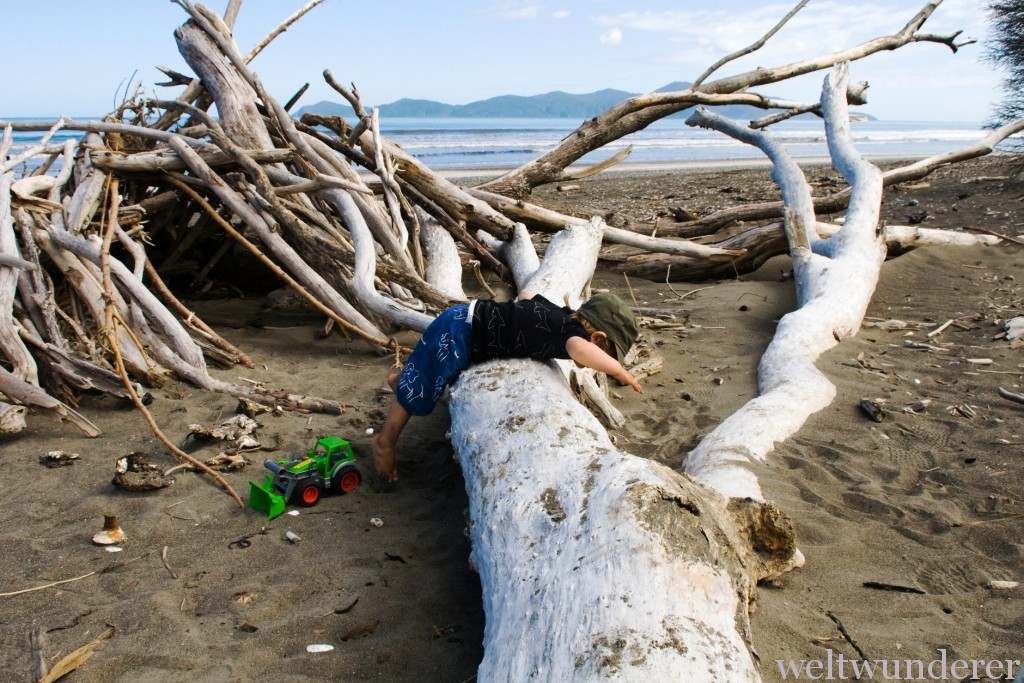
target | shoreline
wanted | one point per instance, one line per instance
(684, 166)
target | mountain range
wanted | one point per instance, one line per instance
(553, 105)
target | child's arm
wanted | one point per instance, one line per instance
(590, 355)
(526, 295)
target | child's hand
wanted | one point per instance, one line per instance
(628, 379)
(590, 355)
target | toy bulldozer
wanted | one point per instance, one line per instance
(328, 466)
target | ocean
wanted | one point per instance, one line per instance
(507, 143)
(493, 143)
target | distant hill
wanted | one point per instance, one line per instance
(553, 105)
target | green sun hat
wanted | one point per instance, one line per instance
(610, 314)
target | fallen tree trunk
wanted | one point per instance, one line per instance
(595, 564)
(627, 568)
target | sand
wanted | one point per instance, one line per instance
(920, 500)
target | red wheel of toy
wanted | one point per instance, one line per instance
(347, 480)
(310, 495)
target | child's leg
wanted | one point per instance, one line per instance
(440, 354)
(383, 444)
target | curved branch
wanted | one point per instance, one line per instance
(753, 47)
(833, 292)
(638, 112)
(552, 221)
(295, 16)
(796, 193)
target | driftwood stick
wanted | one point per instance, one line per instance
(12, 261)
(292, 282)
(993, 233)
(8, 164)
(166, 159)
(553, 221)
(52, 584)
(295, 16)
(753, 47)
(35, 291)
(21, 391)
(231, 13)
(163, 557)
(103, 127)
(112, 321)
(388, 185)
(11, 346)
(191, 319)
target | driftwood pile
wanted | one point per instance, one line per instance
(97, 235)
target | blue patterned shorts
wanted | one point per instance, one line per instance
(437, 359)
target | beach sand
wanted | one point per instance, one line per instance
(918, 500)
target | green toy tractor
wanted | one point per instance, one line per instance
(328, 466)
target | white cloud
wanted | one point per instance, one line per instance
(680, 43)
(560, 14)
(818, 28)
(612, 36)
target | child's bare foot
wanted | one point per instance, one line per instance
(384, 459)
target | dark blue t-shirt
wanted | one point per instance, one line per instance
(535, 328)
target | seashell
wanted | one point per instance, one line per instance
(111, 532)
(319, 647)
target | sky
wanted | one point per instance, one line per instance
(76, 57)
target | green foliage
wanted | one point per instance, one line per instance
(1006, 51)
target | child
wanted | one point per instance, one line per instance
(596, 336)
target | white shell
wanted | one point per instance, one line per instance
(319, 647)
(109, 537)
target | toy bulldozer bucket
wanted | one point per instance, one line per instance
(263, 497)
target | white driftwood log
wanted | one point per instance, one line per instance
(11, 346)
(910, 236)
(443, 267)
(834, 284)
(597, 564)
